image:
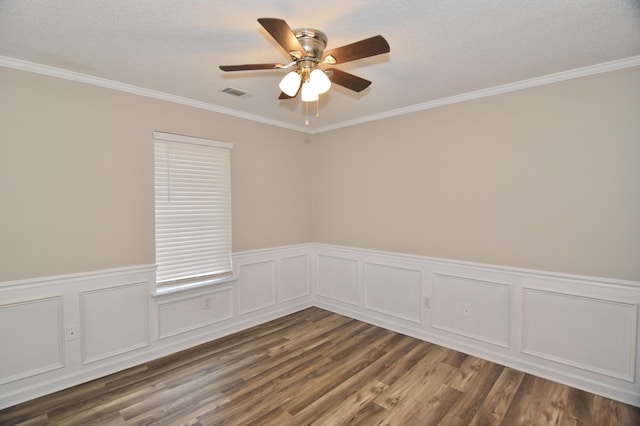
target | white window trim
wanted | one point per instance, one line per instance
(192, 285)
(190, 139)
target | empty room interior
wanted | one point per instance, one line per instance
(466, 193)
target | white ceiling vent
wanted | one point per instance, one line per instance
(235, 92)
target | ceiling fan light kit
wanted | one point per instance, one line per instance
(319, 81)
(290, 83)
(306, 47)
(309, 94)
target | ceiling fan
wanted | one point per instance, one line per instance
(306, 47)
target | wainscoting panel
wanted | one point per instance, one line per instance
(34, 346)
(580, 331)
(121, 322)
(256, 286)
(593, 334)
(114, 321)
(294, 277)
(338, 278)
(472, 308)
(187, 313)
(393, 290)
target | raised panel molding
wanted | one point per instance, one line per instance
(393, 290)
(114, 320)
(593, 334)
(502, 325)
(472, 308)
(256, 285)
(338, 278)
(32, 338)
(277, 281)
(294, 277)
(121, 324)
(187, 313)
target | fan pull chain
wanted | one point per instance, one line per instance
(306, 113)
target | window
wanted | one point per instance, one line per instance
(192, 211)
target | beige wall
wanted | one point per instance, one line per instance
(546, 178)
(76, 176)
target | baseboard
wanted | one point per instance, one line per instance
(533, 321)
(102, 322)
(496, 313)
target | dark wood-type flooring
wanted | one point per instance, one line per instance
(317, 367)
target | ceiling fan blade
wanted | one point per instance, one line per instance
(249, 67)
(281, 32)
(361, 49)
(350, 81)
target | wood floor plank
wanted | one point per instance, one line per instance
(350, 395)
(181, 410)
(426, 398)
(253, 400)
(475, 392)
(496, 404)
(538, 401)
(355, 407)
(464, 374)
(317, 367)
(428, 371)
(405, 363)
(607, 411)
(328, 377)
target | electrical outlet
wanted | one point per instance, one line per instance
(72, 333)
(207, 303)
(426, 302)
(466, 309)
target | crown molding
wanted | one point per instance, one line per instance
(619, 64)
(496, 90)
(136, 90)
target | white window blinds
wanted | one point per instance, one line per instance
(192, 209)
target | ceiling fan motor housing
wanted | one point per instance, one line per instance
(313, 42)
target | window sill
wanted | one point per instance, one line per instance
(193, 286)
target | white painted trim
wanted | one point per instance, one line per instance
(83, 321)
(273, 250)
(182, 298)
(19, 64)
(354, 252)
(491, 91)
(497, 356)
(173, 137)
(273, 283)
(355, 260)
(307, 260)
(507, 286)
(75, 277)
(515, 280)
(78, 369)
(160, 293)
(61, 340)
(631, 366)
(72, 285)
(368, 306)
(132, 359)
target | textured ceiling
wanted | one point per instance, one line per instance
(439, 49)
